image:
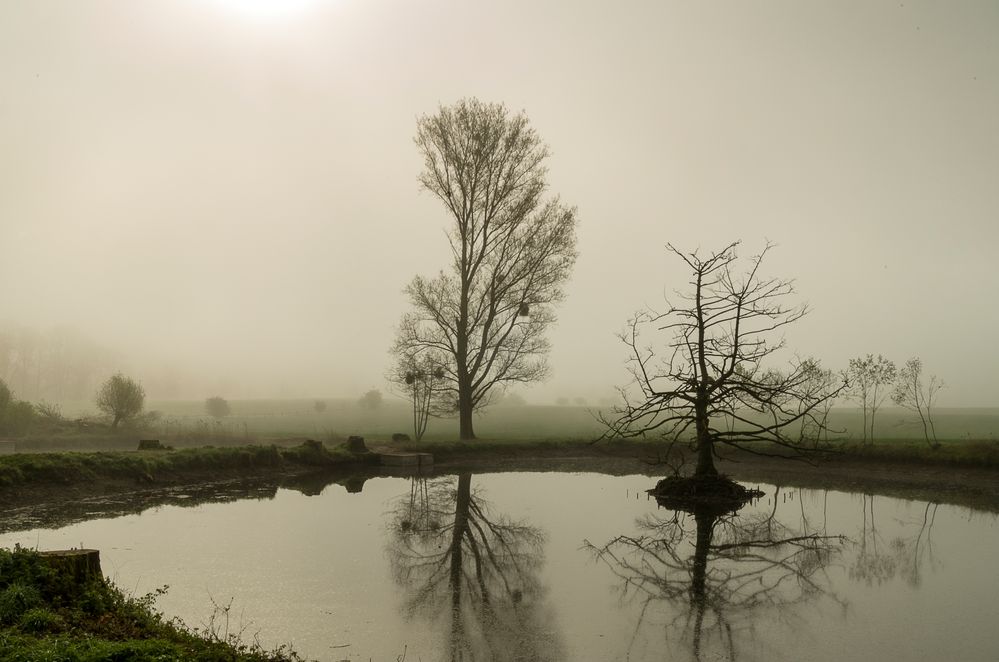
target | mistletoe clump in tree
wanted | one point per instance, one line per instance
(711, 381)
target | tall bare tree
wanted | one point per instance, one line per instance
(870, 378)
(511, 253)
(711, 371)
(916, 395)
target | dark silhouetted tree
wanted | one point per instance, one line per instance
(710, 381)
(121, 398)
(511, 253)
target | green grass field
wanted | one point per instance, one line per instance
(256, 419)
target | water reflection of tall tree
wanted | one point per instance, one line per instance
(472, 573)
(741, 564)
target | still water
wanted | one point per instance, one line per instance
(560, 566)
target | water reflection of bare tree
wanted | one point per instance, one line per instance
(879, 560)
(472, 573)
(740, 565)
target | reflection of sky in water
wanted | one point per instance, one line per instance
(322, 572)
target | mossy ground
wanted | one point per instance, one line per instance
(151, 466)
(46, 615)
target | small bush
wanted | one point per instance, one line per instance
(38, 620)
(217, 407)
(17, 599)
(16, 418)
(49, 412)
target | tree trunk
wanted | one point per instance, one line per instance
(705, 458)
(82, 565)
(698, 575)
(462, 501)
(465, 431)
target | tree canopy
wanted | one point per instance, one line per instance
(713, 379)
(484, 316)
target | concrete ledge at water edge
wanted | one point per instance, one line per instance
(399, 459)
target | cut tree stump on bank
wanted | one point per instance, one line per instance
(81, 564)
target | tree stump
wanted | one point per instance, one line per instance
(356, 445)
(313, 445)
(81, 564)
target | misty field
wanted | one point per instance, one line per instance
(295, 418)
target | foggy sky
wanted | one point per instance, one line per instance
(230, 196)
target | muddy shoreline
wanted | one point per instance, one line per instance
(54, 504)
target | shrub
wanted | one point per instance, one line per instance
(121, 398)
(217, 407)
(38, 620)
(371, 400)
(17, 599)
(49, 412)
(16, 418)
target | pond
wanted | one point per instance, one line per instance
(558, 566)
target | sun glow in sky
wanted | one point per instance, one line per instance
(226, 192)
(268, 9)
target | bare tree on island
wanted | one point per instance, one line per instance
(711, 369)
(512, 251)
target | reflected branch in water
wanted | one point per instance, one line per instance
(740, 566)
(905, 556)
(472, 573)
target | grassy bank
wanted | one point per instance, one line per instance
(971, 453)
(193, 464)
(961, 452)
(155, 466)
(49, 615)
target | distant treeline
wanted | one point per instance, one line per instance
(57, 365)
